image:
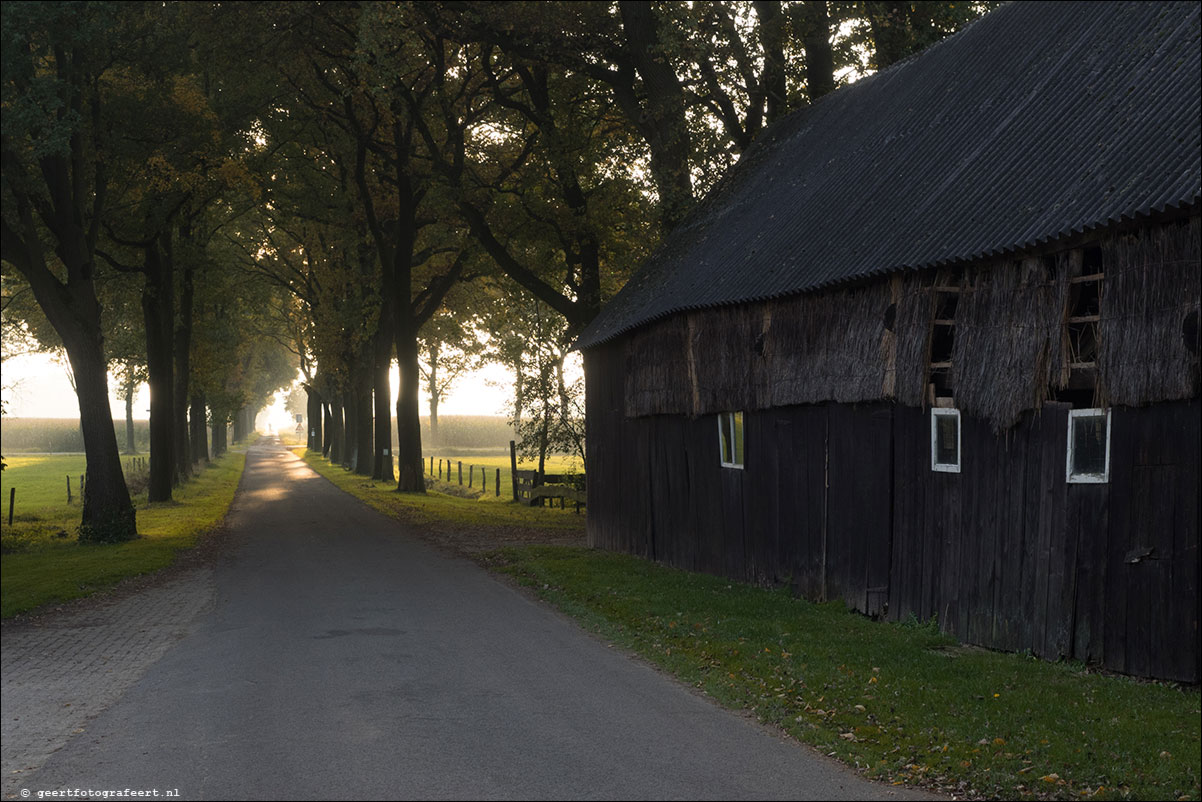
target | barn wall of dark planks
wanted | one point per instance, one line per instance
(837, 499)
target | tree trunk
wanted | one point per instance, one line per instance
(365, 458)
(131, 446)
(108, 514)
(313, 437)
(220, 427)
(772, 24)
(337, 431)
(816, 38)
(240, 425)
(199, 445)
(890, 27)
(434, 401)
(382, 393)
(662, 121)
(183, 344)
(411, 476)
(435, 395)
(327, 442)
(158, 309)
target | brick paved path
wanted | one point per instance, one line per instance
(63, 669)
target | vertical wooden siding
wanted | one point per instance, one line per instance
(839, 502)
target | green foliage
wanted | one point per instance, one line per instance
(901, 703)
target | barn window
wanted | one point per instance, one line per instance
(730, 439)
(945, 440)
(1088, 446)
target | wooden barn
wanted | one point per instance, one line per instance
(931, 347)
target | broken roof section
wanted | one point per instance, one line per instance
(1039, 121)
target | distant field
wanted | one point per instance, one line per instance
(60, 435)
(464, 434)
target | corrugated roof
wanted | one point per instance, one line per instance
(1038, 121)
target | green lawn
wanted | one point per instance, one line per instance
(443, 505)
(474, 464)
(43, 563)
(901, 702)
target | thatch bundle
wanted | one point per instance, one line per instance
(1150, 309)
(1008, 338)
(871, 342)
(656, 371)
(915, 309)
(805, 349)
(827, 346)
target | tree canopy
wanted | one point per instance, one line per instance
(215, 196)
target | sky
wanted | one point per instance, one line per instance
(36, 386)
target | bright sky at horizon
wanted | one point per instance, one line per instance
(37, 386)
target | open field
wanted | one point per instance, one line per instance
(43, 563)
(60, 435)
(903, 703)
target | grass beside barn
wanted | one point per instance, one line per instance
(444, 504)
(903, 703)
(43, 563)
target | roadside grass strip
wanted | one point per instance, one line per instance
(43, 562)
(901, 702)
(441, 502)
(491, 464)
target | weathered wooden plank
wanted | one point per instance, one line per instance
(1056, 633)
(1029, 626)
(1184, 661)
(910, 533)
(1120, 521)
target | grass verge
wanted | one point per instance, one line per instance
(437, 506)
(474, 464)
(903, 703)
(43, 563)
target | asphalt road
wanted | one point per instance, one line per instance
(341, 658)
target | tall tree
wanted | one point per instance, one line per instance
(60, 67)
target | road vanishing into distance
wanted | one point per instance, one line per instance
(328, 654)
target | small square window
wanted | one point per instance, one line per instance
(1088, 446)
(730, 439)
(945, 440)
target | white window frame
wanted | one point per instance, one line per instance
(944, 467)
(726, 429)
(1086, 478)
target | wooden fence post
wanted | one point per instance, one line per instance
(68, 488)
(431, 466)
(483, 479)
(498, 482)
(12, 501)
(459, 464)
(471, 471)
(513, 467)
